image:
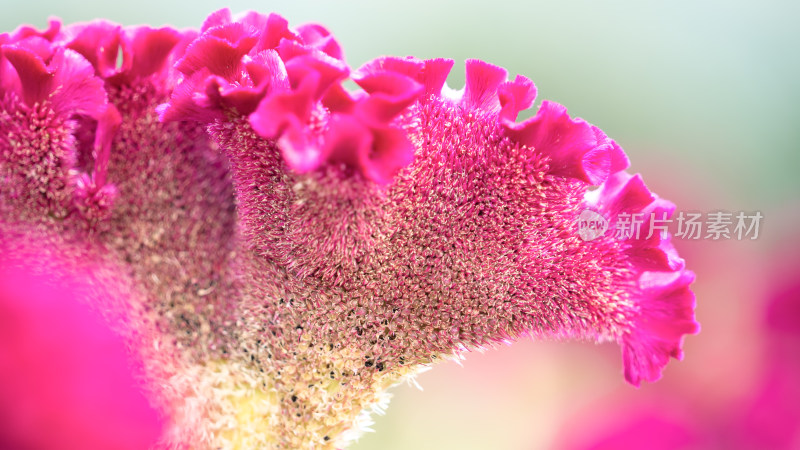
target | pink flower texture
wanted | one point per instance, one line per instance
(274, 251)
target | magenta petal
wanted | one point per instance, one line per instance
(338, 99)
(665, 302)
(24, 32)
(37, 45)
(435, 75)
(220, 50)
(267, 67)
(666, 314)
(75, 87)
(275, 30)
(325, 71)
(34, 77)
(624, 192)
(6, 69)
(627, 194)
(654, 213)
(391, 151)
(389, 94)
(594, 166)
(660, 257)
(318, 37)
(151, 49)
(409, 66)
(188, 101)
(99, 43)
(347, 140)
(571, 144)
(244, 98)
(278, 110)
(515, 96)
(107, 125)
(299, 151)
(619, 160)
(482, 81)
(216, 19)
(68, 81)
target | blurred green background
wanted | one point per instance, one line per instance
(703, 95)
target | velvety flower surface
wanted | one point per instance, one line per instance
(289, 249)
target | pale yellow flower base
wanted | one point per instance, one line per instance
(227, 405)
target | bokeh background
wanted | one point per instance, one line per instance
(703, 95)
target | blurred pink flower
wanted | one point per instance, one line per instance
(66, 379)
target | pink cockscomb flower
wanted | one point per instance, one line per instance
(289, 249)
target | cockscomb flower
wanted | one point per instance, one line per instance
(289, 248)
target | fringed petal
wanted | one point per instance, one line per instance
(389, 94)
(481, 85)
(49, 34)
(318, 37)
(662, 295)
(74, 86)
(151, 49)
(216, 19)
(189, 101)
(434, 75)
(666, 305)
(571, 144)
(35, 80)
(100, 43)
(515, 96)
(220, 50)
(68, 81)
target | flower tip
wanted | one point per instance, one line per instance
(151, 49)
(318, 37)
(434, 75)
(515, 96)
(408, 66)
(26, 31)
(32, 73)
(666, 315)
(217, 18)
(219, 49)
(482, 81)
